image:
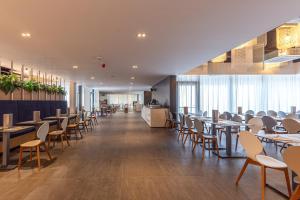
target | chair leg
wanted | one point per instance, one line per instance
(217, 148)
(203, 148)
(62, 142)
(296, 194)
(236, 142)
(79, 132)
(242, 171)
(263, 182)
(287, 179)
(38, 156)
(49, 140)
(47, 151)
(66, 137)
(20, 158)
(187, 135)
(30, 154)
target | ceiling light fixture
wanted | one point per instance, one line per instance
(132, 78)
(75, 67)
(26, 35)
(92, 78)
(134, 67)
(141, 35)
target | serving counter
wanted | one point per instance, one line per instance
(155, 117)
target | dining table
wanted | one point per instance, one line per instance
(60, 118)
(227, 125)
(6, 135)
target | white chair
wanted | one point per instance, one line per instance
(255, 124)
(190, 127)
(253, 149)
(272, 113)
(281, 114)
(41, 135)
(200, 137)
(60, 134)
(291, 157)
(205, 114)
(250, 112)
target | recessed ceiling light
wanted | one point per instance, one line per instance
(141, 35)
(26, 35)
(132, 78)
(75, 67)
(92, 78)
(135, 66)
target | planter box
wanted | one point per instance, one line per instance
(26, 95)
(42, 95)
(61, 97)
(35, 95)
(17, 94)
(4, 96)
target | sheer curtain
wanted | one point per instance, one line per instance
(227, 92)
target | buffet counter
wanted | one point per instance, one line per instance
(154, 117)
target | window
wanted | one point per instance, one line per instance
(187, 96)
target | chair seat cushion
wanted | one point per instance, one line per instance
(297, 180)
(32, 143)
(270, 162)
(56, 133)
(72, 126)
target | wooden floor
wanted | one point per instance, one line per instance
(125, 159)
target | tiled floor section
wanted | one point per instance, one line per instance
(125, 159)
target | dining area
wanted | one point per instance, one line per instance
(246, 135)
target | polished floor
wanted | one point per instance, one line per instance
(125, 159)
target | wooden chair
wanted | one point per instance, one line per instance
(291, 116)
(59, 134)
(83, 124)
(169, 119)
(291, 157)
(272, 113)
(281, 114)
(270, 125)
(261, 113)
(74, 127)
(253, 149)
(190, 127)
(200, 138)
(291, 126)
(250, 112)
(182, 127)
(36, 144)
(255, 125)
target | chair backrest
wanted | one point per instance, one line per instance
(291, 125)
(291, 157)
(64, 124)
(272, 113)
(261, 113)
(43, 131)
(181, 120)
(255, 124)
(228, 115)
(269, 123)
(250, 112)
(199, 126)
(189, 122)
(237, 118)
(291, 116)
(205, 114)
(200, 113)
(251, 144)
(248, 117)
(281, 114)
(222, 116)
(170, 116)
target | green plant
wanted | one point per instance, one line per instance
(61, 90)
(9, 83)
(31, 86)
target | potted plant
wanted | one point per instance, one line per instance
(61, 93)
(43, 91)
(8, 84)
(31, 88)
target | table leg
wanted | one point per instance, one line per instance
(5, 154)
(228, 140)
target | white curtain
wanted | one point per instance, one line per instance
(227, 92)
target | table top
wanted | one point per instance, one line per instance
(15, 129)
(61, 117)
(221, 122)
(34, 123)
(291, 139)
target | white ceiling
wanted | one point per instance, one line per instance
(181, 35)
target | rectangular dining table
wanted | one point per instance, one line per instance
(227, 124)
(6, 133)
